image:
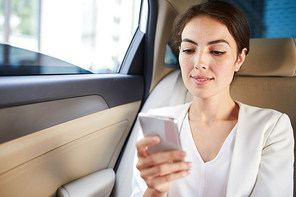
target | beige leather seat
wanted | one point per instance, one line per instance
(267, 79)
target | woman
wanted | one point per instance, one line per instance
(229, 148)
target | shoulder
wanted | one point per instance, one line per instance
(257, 112)
(257, 119)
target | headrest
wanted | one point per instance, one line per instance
(182, 6)
(270, 57)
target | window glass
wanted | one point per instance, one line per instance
(16, 61)
(19, 22)
(1, 20)
(92, 34)
(269, 18)
(170, 58)
(23, 23)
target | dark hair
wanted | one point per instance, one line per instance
(225, 13)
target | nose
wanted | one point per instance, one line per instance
(201, 61)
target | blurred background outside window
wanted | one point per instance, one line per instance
(92, 34)
(269, 18)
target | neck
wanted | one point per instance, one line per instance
(216, 108)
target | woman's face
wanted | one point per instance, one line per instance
(208, 57)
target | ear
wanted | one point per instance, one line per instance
(240, 60)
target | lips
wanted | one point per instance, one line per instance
(201, 80)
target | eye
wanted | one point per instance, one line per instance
(217, 53)
(188, 51)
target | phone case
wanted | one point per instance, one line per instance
(165, 127)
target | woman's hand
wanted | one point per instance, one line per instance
(160, 169)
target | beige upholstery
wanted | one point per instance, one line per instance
(272, 88)
(38, 164)
(270, 57)
(97, 184)
(182, 6)
(268, 76)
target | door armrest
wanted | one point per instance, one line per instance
(98, 184)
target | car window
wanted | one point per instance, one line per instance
(16, 61)
(269, 18)
(91, 34)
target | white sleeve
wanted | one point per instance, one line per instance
(138, 184)
(275, 176)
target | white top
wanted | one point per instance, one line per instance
(206, 179)
(262, 163)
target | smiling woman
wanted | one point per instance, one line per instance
(222, 139)
(208, 56)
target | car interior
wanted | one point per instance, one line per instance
(75, 135)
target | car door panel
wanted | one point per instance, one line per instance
(57, 155)
(56, 129)
(17, 121)
(20, 90)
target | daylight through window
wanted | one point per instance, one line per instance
(92, 34)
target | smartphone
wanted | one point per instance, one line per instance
(165, 127)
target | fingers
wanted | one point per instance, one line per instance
(160, 158)
(159, 182)
(144, 143)
(161, 168)
(165, 169)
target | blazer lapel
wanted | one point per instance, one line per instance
(247, 152)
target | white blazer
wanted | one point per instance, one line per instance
(263, 155)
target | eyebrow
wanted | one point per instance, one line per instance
(218, 41)
(209, 43)
(190, 41)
